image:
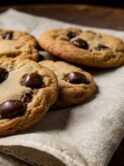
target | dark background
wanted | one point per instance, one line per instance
(112, 3)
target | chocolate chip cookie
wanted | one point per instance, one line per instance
(75, 85)
(27, 91)
(16, 44)
(84, 47)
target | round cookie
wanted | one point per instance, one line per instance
(28, 90)
(84, 47)
(75, 85)
(17, 44)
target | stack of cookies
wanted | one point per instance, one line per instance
(30, 85)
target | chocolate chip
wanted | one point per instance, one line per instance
(77, 78)
(11, 109)
(80, 43)
(7, 36)
(32, 80)
(26, 98)
(101, 47)
(71, 34)
(3, 74)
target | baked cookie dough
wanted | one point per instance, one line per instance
(84, 47)
(28, 90)
(17, 44)
(75, 85)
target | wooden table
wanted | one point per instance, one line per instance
(84, 15)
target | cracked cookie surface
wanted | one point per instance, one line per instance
(17, 44)
(75, 85)
(28, 90)
(84, 47)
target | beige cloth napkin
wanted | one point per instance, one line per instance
(85, 135)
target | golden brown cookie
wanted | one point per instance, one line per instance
(75, 85)
(28, 90)
(17, 44)
(84, 47)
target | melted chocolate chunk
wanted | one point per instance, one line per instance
(26, 98)
(11, 109)
(80, 43)
(3, 74)
(71, 34)
(7, 36)
(32, 80)
(101, 47)
(77, 78)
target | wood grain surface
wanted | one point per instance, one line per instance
(102, 17)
